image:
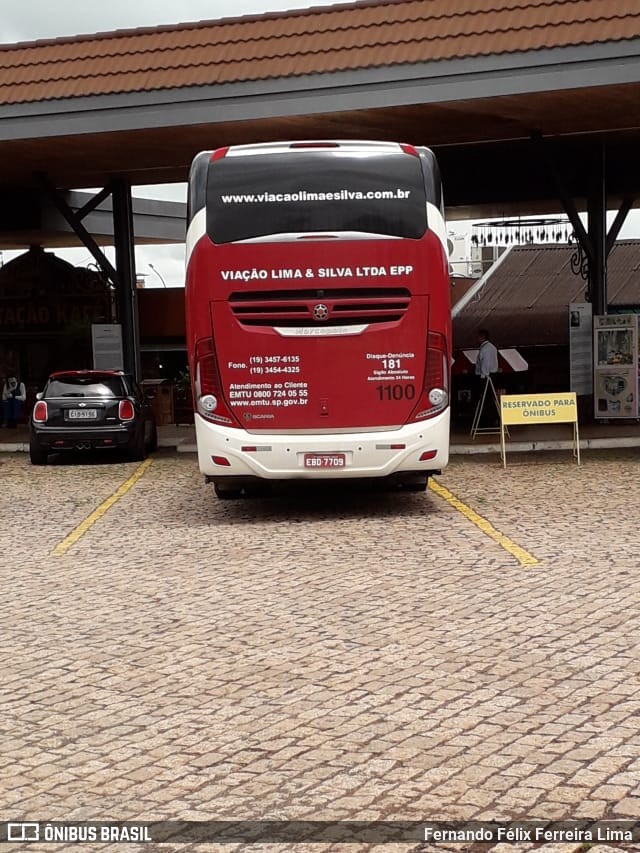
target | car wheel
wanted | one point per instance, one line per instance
(136, 449)
(37, 454)
(153, 440)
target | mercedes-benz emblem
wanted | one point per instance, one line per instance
(320, 312)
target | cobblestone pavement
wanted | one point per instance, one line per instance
(322, 655)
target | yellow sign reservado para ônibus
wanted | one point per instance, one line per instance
(522, 409)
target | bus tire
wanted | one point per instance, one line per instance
(227, 493)
(260, 490)
(415, 484)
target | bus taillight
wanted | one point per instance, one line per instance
(435, 394)
(207, 390)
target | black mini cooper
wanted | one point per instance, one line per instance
(91, 410)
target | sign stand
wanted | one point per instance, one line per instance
(490, 392)
(531, 409)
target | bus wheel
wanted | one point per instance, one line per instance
(260, 491)
(227, 493)
(415, 484)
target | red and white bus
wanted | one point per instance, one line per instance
(318, 313)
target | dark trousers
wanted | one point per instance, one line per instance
(11, 409)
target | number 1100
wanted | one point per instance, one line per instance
(396, 392)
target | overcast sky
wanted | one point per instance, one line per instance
(36, 19)
(26, 20)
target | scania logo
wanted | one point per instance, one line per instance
(320, 312)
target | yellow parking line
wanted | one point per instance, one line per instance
(70, 540)
(522, 556)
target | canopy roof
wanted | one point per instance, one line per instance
(525, 301)
(451, 74)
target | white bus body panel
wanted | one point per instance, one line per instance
(281, 457)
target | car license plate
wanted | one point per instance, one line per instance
(82, 414)
(325, 460)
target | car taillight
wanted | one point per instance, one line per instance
(40, 412)
(207, 389)
(435, 392)
(126, 412)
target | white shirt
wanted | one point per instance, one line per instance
(487, 360)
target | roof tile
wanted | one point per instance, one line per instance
(375, 33)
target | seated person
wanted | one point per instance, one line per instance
(13, 396)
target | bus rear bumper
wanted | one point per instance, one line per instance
(416, 448)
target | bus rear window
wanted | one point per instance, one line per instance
(264, 195)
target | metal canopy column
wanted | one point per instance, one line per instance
(125, 265)
(597, 226)
(594, 243)
(123, 275)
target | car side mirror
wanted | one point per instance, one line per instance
(39, 395)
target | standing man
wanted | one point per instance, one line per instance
(13, 396)
(487, 361)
